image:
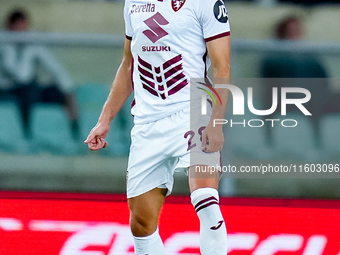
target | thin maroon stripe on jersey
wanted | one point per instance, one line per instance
(144, 72)
(175, 79)
(128, 37)
(132, 67)
(133, 85)
(172, 61)
(153, 92)
(173, 71)
(144, 63)
(217, 36)
(150, 83)
(178, 87)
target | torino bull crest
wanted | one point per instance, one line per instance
(177, 4)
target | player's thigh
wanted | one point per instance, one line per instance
(204, 179)
(144, 211)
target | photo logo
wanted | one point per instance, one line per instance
(205, 99)
(239, 100)
(239, 103)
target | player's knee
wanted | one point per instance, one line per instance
(141, 225)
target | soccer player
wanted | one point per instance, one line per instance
(167, 43)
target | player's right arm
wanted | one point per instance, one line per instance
(119, 93)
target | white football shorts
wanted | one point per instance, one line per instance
(159, 148)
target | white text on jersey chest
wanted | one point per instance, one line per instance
(135, 8)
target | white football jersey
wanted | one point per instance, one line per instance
(169, 48)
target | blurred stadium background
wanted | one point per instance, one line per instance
(57, 197)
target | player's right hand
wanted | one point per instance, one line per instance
(96, 139)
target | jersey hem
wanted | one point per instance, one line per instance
(128, 37)
(217, 36)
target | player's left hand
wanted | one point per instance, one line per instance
(96, 138)
(212, 138)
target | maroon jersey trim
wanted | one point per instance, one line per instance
(217, 36)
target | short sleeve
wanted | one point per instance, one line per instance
(127, 20)
(213, 16)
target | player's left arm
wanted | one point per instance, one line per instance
(219, 54)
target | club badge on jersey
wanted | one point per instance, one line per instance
(177, 4)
